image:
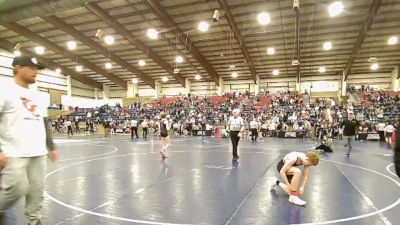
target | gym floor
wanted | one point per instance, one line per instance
(119, 181)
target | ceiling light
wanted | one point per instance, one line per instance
(39, 50)
(152, 33)
(142, 62)
(270, 51)
(322, 69)
(235, 74)
(79, 68)
(58, 71)
(109, 39)
(135, 81)
(374, 66)
(328, 45)
(203, 26)
(335, 9)
(393, 40)
(275, 72)
(71, 45)
(17, 53)
(197, 77)
(179, 59)
(108, 66)
(263, 18)
(164, 79)
(373, 59)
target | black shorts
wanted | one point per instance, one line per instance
(163, 134)
(388, 134)
(279, 167)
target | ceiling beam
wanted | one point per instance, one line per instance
(113, 23)
(229, 17)
(373, 11)
(297, 40)
(37, 8)
(9, 46)
(54, 47)
(167, 19)
(57, 22)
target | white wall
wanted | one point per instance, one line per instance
(46, 79)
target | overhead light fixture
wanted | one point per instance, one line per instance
(109, 39)
(203, 26)
(263, 18)
(328, 45)
(79, 68)
(17, 53)
(135, 81)
(142, 62)
(71, 45)
(393, 40)
(197, 77)
(108, 66)
(58, 71)
(152, 33)
(270, 51)
(17, 46)
(99, 34)
(374, 66)
(235, 74)
(275, 72)
(322, 69)
(216, 15)
(335, 8)
(179, 59)
(164, 79)
(39, 50)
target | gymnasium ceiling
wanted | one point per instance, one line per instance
(361, 31)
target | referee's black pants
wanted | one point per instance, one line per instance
(145, 132)
(235, 141)
(254, 134)
(134, 129)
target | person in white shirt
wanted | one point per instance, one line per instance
(381, 130)
(68, 124)
(254, 130)
(145, 126)
(236, 128)
(134, 128)
(25, 141)
(389, 129)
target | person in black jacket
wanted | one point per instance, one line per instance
(350, 126)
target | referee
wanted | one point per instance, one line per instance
(25, 139)
(236, 128)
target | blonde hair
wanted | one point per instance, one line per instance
(313, 158)
(163, 115)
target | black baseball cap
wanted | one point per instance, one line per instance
(27, 61)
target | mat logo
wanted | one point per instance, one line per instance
(30, 106)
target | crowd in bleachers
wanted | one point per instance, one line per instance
(277, 115)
